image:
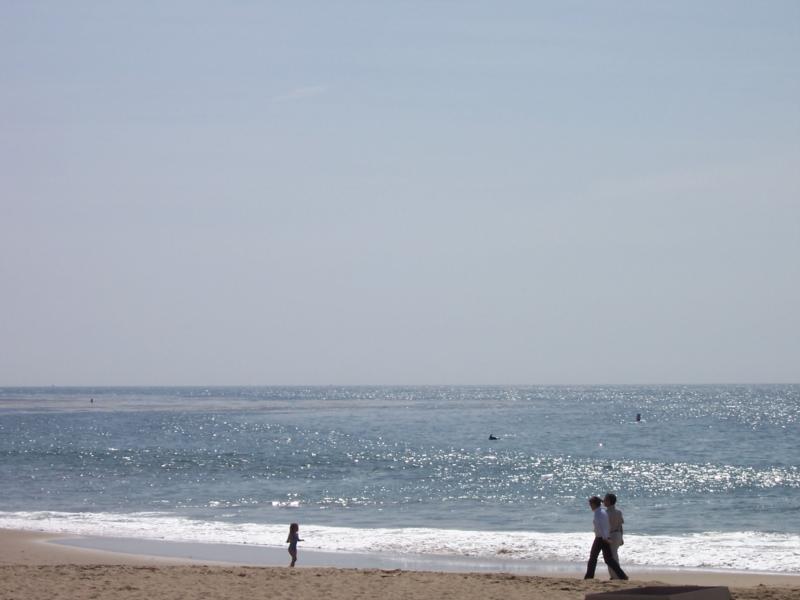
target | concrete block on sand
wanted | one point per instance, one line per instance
(671, 592)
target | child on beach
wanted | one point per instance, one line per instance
(294, 537)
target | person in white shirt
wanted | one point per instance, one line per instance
(615, 521)
(602, 533)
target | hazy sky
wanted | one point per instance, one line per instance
(247, 192)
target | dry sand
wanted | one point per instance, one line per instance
(32, 569)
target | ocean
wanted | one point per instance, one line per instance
(709, 477)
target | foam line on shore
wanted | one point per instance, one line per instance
(255, 555)
(272, 556)
(32, 566)
(735, 551)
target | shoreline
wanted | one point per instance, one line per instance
(34, 564)
(24, 547)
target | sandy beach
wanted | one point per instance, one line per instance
(34, 568)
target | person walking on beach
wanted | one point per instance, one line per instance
(294, 537)
(615, 522)
(602, 534)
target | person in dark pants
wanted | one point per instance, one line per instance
(615, 522)
(602, 534)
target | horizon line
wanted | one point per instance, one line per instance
(393, 385)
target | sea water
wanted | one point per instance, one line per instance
(708, 477)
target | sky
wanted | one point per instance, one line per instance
(390, 193)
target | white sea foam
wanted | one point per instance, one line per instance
(754, 551)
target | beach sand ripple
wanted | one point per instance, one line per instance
(127, 582)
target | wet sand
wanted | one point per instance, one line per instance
(34, 568)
